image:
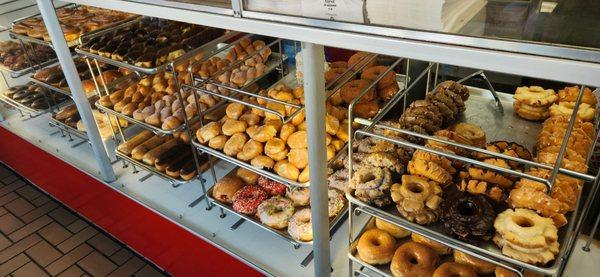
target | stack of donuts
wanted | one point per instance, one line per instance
(368, 105)
(566, 103)
(243, 63)
(167, 154)
(73, 20)
(260, 138)
(409, 254)
(278, 208)
(533, 103)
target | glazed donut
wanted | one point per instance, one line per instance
(468, 217)
(232, 126)
(300, 225)
(452, 269)
(262, 162)
(270, 186)
(247, 176)
(208, 132)
(439, 248)
(387, 92)
(480, 266)
(392, 229)
(585, 111)
(535, 96)
(335, 202)
(352, 89)
(571, 159)
(530, 112)
(413, 259)
(503, 272)
(247, 199)
(225, 189)
(442, 161)
(472, 132)
(525, 228)
(417, 199)
(372, 73)
(569, 94)
(360, 57)
(275, 212)
(299, 196)
(539, 201)
(366, 109)
(429, 170)
(376, 247)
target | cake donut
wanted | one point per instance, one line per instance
(353, 88)
(413, 259)
(270, 186)
(452, 269)
(372, 73)
(468, 217)
(247, 199)
(275, 212)
(300, 225)
(376, 247)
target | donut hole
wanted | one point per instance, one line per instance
(368, 177)
(415, 187)
(413, 260)
(375, 242)
(523, 222)
(466, 208)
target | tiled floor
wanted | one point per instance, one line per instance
(39, 237)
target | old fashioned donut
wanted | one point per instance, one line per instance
(452, 269)
(468, 217)
(535, 96)
(376, 247)
(472, 132)
(530, 112)
(585, 111)
(300, 225)
(417, 199)
(413, 259)
(439, 248)
(392, 229)
(247, 199)
(299, 196)
(569, 94)
(531, 198)
(525, 228)
(372, 73)
(480, 266)
(275, 212)
(352, 89)
(270, 186)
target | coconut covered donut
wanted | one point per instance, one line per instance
(417, 199)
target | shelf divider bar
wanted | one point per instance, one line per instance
(313, 56)
(64, 56)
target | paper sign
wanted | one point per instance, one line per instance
(339, 10)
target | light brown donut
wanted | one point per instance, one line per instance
(452, 269)
(376, 247)
(413, 259)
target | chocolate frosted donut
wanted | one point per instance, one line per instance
(468, 217)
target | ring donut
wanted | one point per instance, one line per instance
(372, 73)
(452, 269)
(376, 247)
(413, 259)
(352, 89)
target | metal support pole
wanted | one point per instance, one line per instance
(313, 58)
(46, 8)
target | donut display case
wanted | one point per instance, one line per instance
(317, 142)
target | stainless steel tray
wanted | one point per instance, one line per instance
(209, 48)
(333, 223)
(482, 110)
(25, 71)
(156, 130)
(64, 127)
(31, 111)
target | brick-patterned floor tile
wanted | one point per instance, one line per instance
(148, 271)
(19, 207)
(129, 268)
(9, 179)
(69, 259)
(4, 242)
(10, 187)
(29, 192)
(104, 244)
(39, 211)
(62, 216)
(96, 264)
(73, 271)
(77, 239)
(9, 223)
(13, 264)
(77, 226)
(43, 199)
(3, 211)
(18, 247)
(54, 233)
(30, 228)
(7, 198)
(121, 256)
(29, 270)
(43, 253)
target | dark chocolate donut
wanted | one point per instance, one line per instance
(468, 217)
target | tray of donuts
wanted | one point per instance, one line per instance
(165, 156)
(147, 45)
(389, 250)
(75, 21)
(271, 205)
(32, 98)
(53, 77)
(15, 61)
(68, 119)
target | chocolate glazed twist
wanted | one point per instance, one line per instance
(468, 217)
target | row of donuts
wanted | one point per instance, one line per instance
(537, 103)
(69, 115)
(34, 96)
(410, 254)
(269, 201)
(14, 58)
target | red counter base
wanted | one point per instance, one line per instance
(169, 246)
